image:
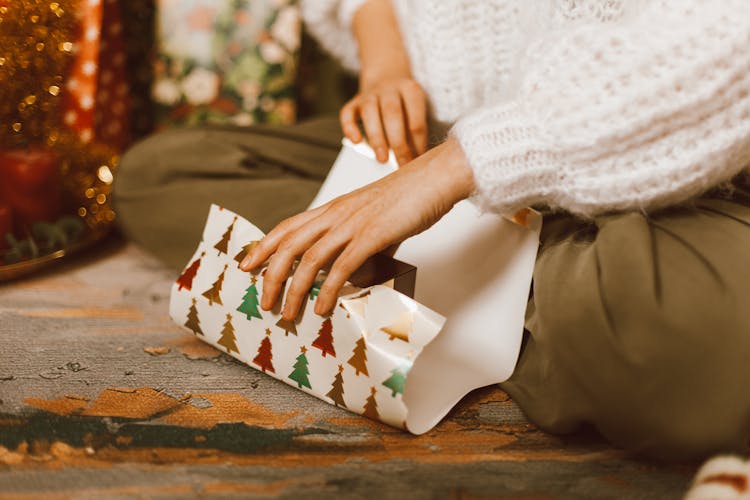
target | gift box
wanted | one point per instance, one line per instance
(225, 61)
(356, 358)
(97, 98)
(403, 360)
(30, 188)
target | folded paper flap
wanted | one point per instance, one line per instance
(357, 358)
(381, 268)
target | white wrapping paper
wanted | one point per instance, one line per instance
(475, 269)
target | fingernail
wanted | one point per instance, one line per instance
(246, 262)
(382, 154)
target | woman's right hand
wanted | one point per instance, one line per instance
(393, 112)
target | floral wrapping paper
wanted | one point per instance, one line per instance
(357, 358)
(226, 61)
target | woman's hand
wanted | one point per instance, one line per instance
(349, 229)
(393, 112)
(391, 105)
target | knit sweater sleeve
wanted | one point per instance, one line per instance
(330, 22)
(636, 115)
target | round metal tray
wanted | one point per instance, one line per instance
(14, 271)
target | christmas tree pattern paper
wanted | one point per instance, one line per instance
(357, 358)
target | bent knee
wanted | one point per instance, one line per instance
(685, 432)
(151, 160)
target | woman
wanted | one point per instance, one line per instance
(628, 121)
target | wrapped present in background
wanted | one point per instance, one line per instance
(65, 76)
(226, 61)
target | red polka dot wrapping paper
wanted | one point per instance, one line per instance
(97, 103)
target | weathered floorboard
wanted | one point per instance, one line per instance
(86, 411)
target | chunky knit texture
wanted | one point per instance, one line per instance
(584, 105)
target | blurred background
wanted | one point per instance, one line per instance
(81, 80)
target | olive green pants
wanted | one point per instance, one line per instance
(638, 325)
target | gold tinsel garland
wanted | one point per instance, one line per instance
(38, 45)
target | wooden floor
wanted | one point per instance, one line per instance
(101, 396)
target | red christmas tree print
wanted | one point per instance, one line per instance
(264, 358)
(324, 342)
(186, 278)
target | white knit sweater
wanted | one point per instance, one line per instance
(583, 105)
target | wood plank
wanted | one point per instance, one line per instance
(85, 410)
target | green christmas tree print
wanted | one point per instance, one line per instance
(301, 371)
(314, 291)
(250, 302)
(397, 380)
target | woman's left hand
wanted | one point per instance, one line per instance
(353, 227)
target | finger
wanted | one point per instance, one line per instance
(270, 242)
(348, 118)
(416, 115)
(313, 260)
(281, 263)
(348, 262)
(392, 112)
(373, 123)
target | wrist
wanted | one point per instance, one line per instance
(448, 166)
(461, 174)
(382, 53)
(373, 74)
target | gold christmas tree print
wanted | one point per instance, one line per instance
(228, 341)
(359, 357)
(337, 389)
(213, 294)
(287, 326)
(245, 250)
(324, 341)
(264, 358)
(401, 327)
(371, 406)
(192, 319)
(186, 278)
(355, 305)
(223, 243)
